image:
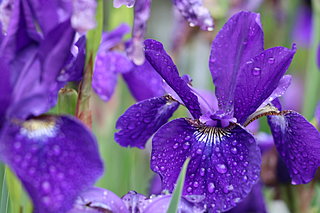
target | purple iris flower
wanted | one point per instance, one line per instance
(55, 157)
(225, 158)
(192, 10)
(97, 200)
(143, 81)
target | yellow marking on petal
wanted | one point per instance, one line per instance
(44, 126)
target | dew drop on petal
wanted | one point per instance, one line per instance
(221, 168)
(211, 187)
(234, 150)
(175, 145)
(202, 171)
(186, 145)
(271, 60)
(256, 71)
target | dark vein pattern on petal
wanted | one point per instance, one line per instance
(298, 143)
(164, 65)
(240, 39)
(142, 120)
(54, 157)
(224, 165)
(258, 79)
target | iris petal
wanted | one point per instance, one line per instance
(144, 82)
(97, 200)
(135, 51)
(142, 120)
(106, 69)
(240, 39)
(298, 143)
(54, 157)
(258, 79)
(164, 65)
(224, 165)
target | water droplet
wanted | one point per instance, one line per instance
(211, 187)
(234, 150)
(245, 178)
(221, 168)
(234, 142)
(46, 200)
(162, 168)
(195, 184)
(256, 71)
(147, 120)
(17, 145)
(202, 171)
(186, 145)
(228, 188)
(189, 189)
(271, 60)
(191, 24)
(56, 149)
(131, 126)
(199, 151)
(187, 138)
(45, 186)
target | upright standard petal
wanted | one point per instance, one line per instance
(97, 200)
(282, 87)
(163, 64)
(55, 158)
(144, 82)
(195, 13)
(298, 143)
(240, 39)
(143, 119)
(141, 15)
(258, 79)
(107, 67)
(224, 165)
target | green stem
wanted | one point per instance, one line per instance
(83, 111)
(312, 85)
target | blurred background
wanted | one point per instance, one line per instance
(284, 22)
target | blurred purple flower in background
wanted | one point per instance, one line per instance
(97, 200)
(192, 10)
(55, 157)
(225, 158)
(143, 81)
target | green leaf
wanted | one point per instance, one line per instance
(19, 200)
(4, 201)
(312, 85)
(94, 35)
(175, 200)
